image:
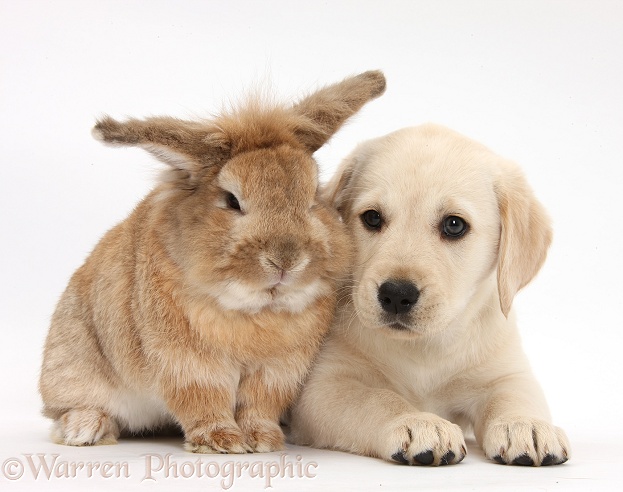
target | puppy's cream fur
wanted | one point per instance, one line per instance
(396, 388)
(205, 307)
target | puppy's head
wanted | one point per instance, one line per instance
(441, 225)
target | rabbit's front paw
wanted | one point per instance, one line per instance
(525, 441)
(216, 438)
(85, 427)
(263, 436)
(423, 439)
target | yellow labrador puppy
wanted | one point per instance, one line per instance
(445, 234)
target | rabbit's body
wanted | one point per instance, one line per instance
(206, 306)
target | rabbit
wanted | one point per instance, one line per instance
(204, 309)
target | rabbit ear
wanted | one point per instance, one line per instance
(185, 145)
(326, 110)
(525, 236)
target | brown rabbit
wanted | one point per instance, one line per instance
(206, 306)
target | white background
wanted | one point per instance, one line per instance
(538, 81)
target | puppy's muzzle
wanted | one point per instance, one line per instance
(398, 296)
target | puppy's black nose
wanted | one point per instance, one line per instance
(398, 296)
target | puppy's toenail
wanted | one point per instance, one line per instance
(499, 459)
(447, 458)
(400, 458)
(425, 458)
(523, 460)
(549, 459)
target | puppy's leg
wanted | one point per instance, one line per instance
(207, 419)
(343, 413)
(513, 425)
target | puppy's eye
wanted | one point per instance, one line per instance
(232, 201)
(372, 219)
(454, 227)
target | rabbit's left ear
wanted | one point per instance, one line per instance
(324, 111)
(185, 145)
(525, 236)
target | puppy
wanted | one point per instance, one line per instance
(446, 233)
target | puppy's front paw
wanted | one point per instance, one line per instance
(424, 439)
(216, 438)
(263, 436)
(525, 441)
(85, 427)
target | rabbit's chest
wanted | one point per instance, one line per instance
(263, 336)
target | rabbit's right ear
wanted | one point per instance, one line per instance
(185, 145)
(324, 111)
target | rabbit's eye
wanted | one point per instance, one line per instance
(232, 201)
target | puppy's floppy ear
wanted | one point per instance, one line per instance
(525, 235)
(336, 192)
(187, 146)
(324, 111)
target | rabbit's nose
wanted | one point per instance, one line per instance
(285, 256)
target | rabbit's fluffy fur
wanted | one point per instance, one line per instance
(205, 307)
